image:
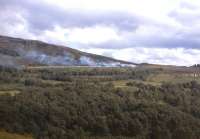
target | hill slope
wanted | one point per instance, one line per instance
(20, 52)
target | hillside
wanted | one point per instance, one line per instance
(92, 98)
(21, 52)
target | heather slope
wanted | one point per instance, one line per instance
(21, 52)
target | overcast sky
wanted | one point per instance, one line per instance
(150, 31)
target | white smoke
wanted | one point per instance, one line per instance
(84, 60)
(68, 59)
(87, 61)
(42, 58)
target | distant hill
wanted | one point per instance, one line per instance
(21, 52)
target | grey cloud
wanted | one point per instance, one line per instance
(41, 16)
(186, 19)
(179, 41)
(188, 5)
(47, 19)
(187, 14)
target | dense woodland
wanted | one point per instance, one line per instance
(86, 103)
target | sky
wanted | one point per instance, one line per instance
(140, 31)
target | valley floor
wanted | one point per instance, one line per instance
(100, 103)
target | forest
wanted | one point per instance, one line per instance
(99, 103)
